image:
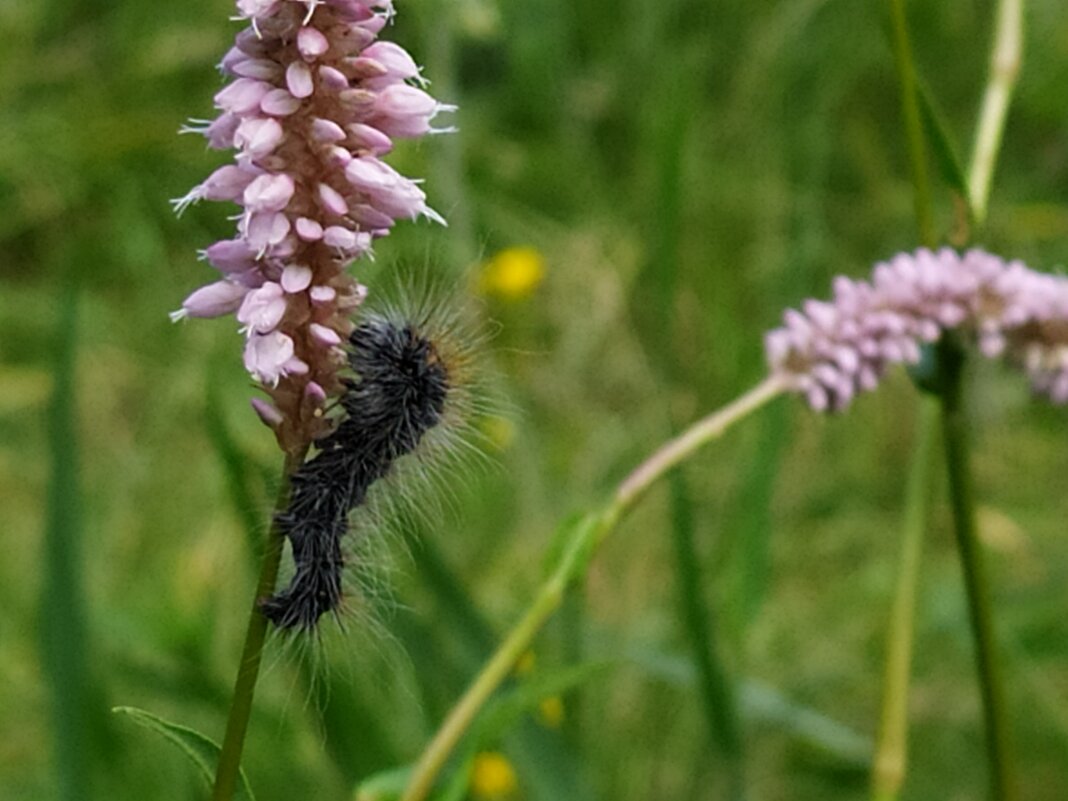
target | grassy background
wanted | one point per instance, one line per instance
(686, 169)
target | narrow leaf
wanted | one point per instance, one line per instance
(200, 749)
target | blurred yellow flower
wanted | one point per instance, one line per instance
(551, 711)
(492, 776)
(512, 273)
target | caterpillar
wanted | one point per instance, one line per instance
(405, 375)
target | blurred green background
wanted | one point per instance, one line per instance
(683, 170)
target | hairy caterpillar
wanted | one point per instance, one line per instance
(407, 373)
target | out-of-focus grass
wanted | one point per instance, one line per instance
(686, 169)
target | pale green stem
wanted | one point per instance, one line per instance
(229, 766)
(891, 750)
(1005, 59)
(573, 563)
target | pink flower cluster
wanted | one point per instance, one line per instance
(315, 101)
(831, 351)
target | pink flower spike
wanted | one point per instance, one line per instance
(312, 98)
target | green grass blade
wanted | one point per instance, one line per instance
(62, 606)
(198, 748)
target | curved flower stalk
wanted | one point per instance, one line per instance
(315, 102)
(832, 350)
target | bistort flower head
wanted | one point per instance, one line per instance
(831, 351)
(314, 103)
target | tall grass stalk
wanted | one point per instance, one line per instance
(586, 539)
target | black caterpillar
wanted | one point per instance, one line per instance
(398, 395)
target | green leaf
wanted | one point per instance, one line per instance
(201, 750)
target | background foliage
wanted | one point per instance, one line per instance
(685, 169)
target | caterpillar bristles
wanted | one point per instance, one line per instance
(410, 392)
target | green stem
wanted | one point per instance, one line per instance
(955, 435)
(1005, 58)
(571, 566)
(910, 110)
(228, 769)
(891, 749)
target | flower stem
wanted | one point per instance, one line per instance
(891, 750)
(229, 766)
(955, 436)
(588, 537)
